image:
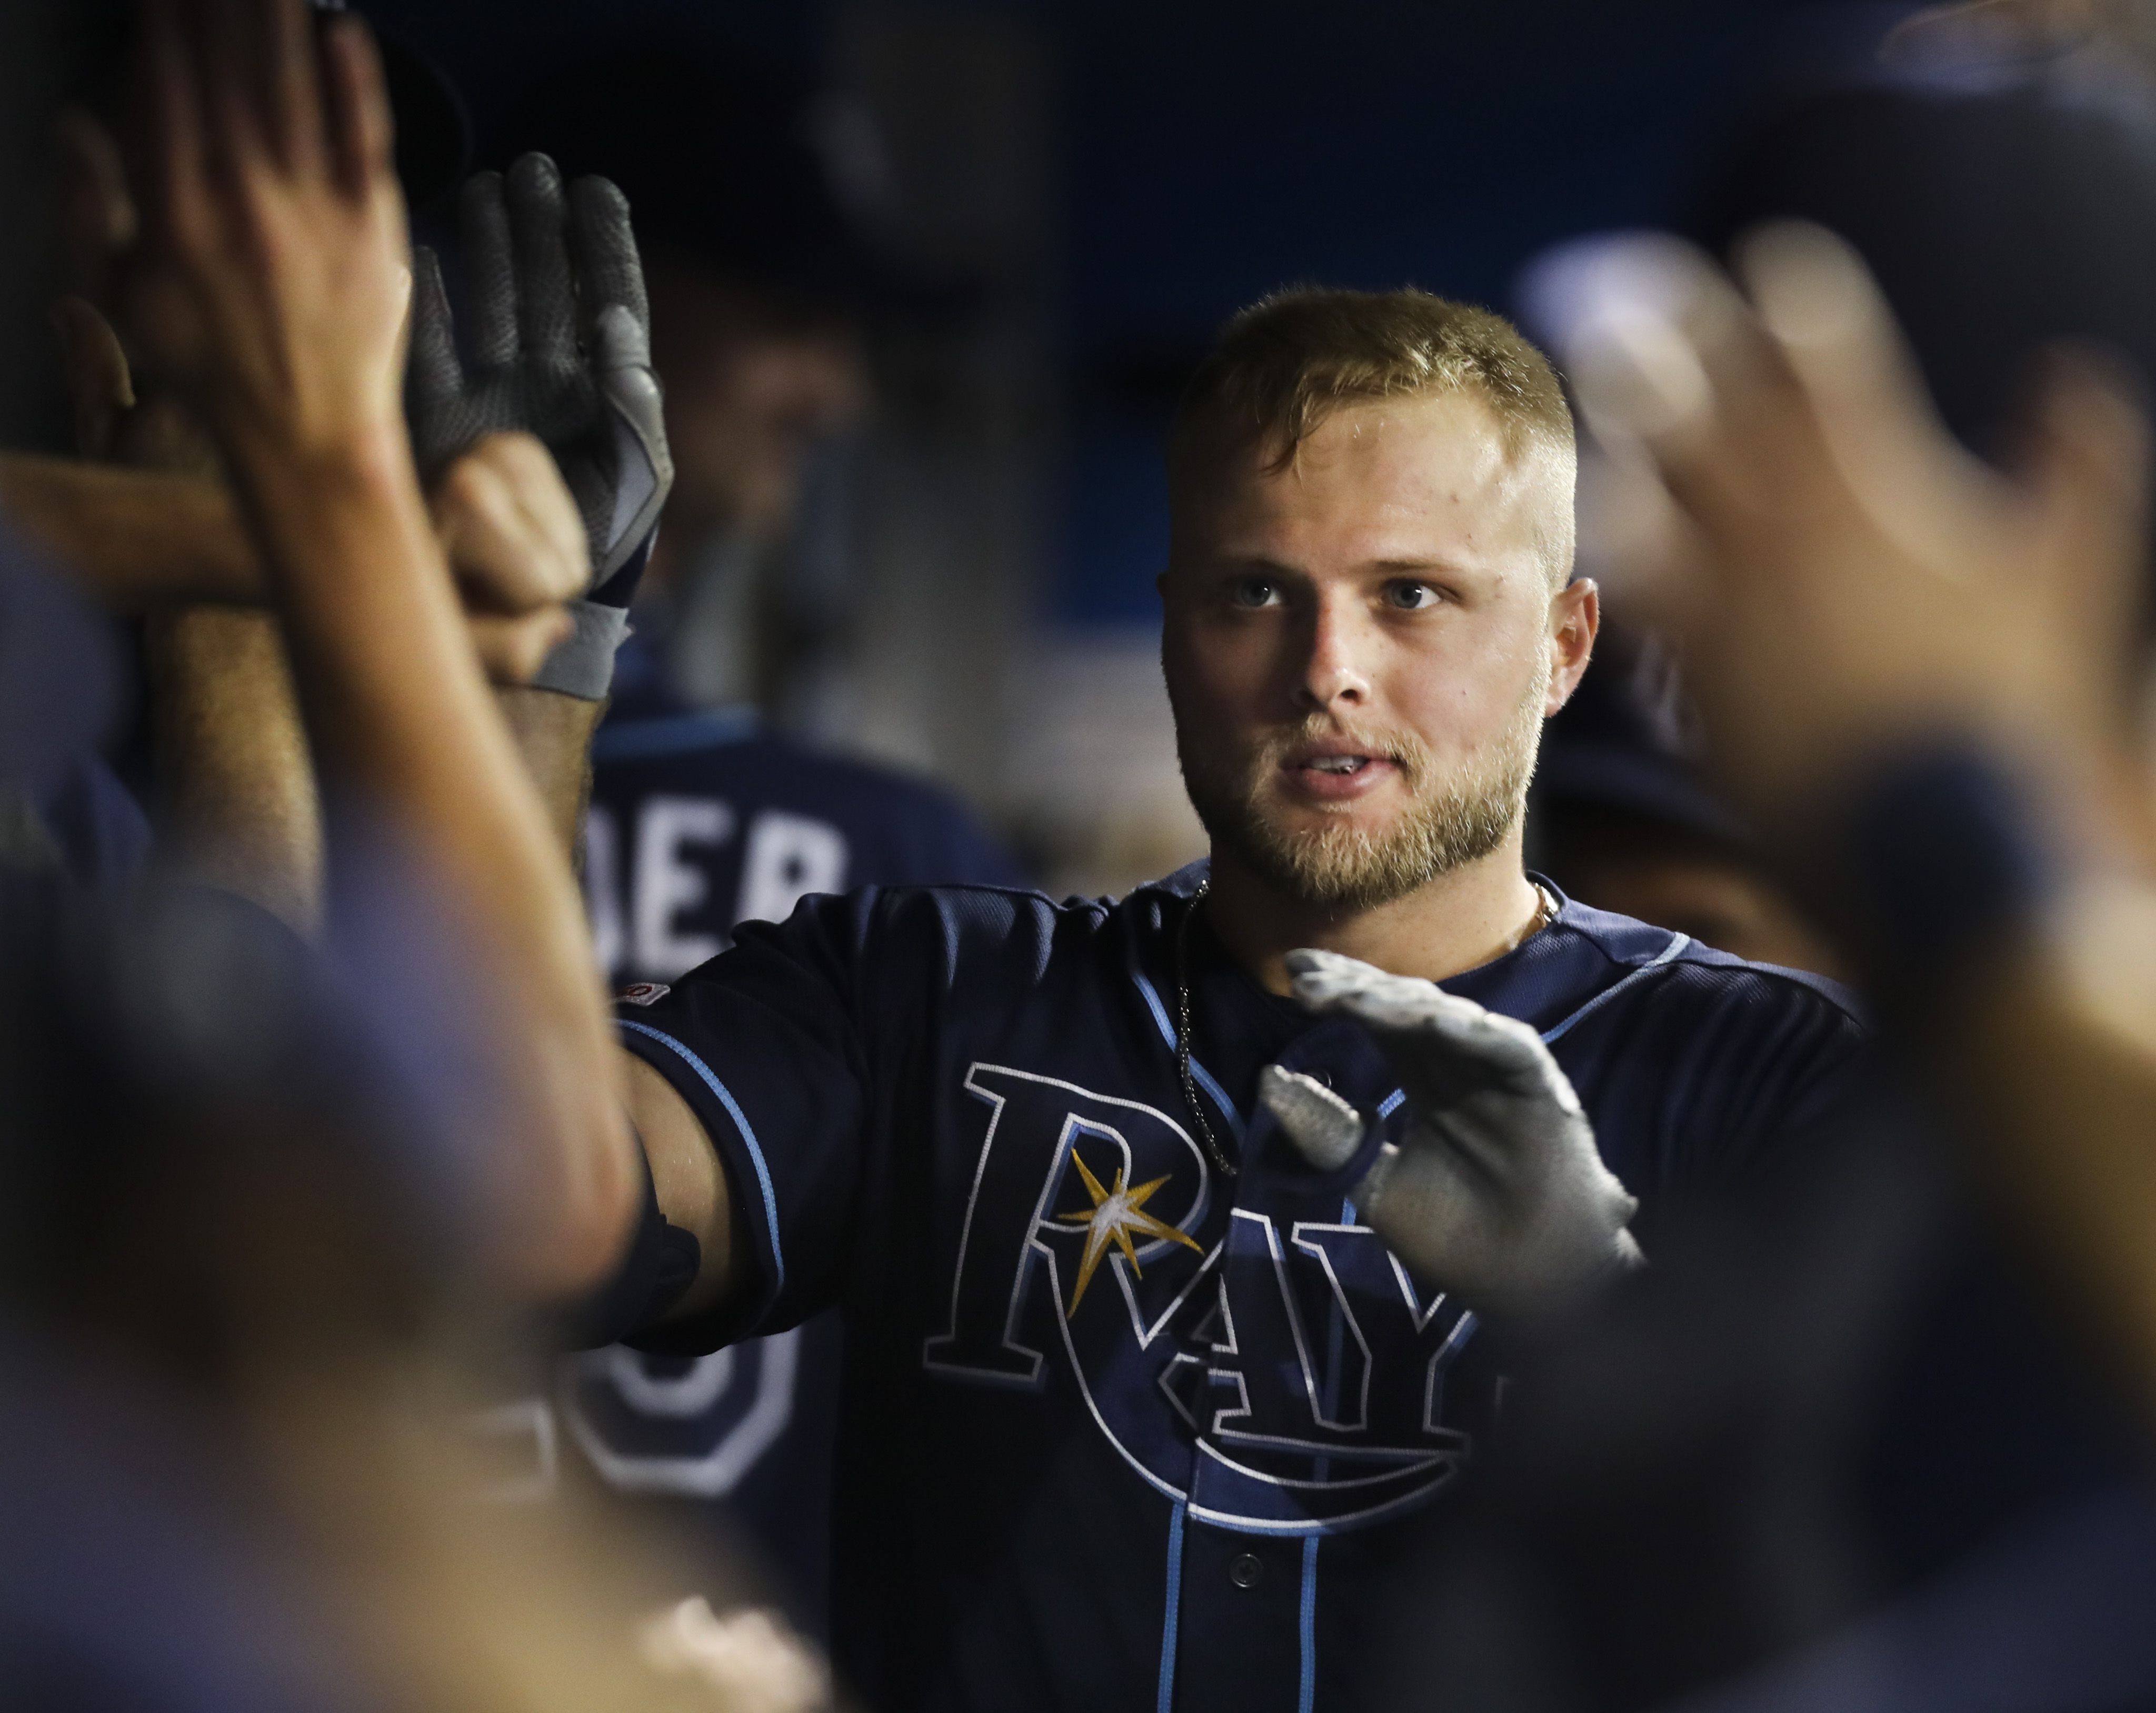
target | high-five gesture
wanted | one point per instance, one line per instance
(1850, 582)
(271, 284)
(558, 343)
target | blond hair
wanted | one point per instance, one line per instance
(1279, 367)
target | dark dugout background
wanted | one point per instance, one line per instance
(1101, 184)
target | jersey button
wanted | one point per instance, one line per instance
(1246, 1570)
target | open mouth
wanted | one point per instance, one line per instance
(1331, 774)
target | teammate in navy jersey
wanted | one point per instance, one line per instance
(1136, 1393)
(700, 822)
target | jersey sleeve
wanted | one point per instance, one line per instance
(1763, 1067)
(765, 1044)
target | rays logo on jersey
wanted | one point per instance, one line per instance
(1282, 1375)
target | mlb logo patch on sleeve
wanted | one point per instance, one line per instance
(643, 993)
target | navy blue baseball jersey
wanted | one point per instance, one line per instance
(1120, 1430)
(700, 822)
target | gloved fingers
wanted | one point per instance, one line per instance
(433, 376)
(1410, 1016)
(1324, 980)
(546, 292)
(1323, 1127)
(609, 274)
(489, 273)
(1506, 1048)
(621, 346)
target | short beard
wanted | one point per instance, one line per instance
(1341, 869)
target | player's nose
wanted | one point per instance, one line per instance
(1333, 670)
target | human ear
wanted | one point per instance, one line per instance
(1575, 620)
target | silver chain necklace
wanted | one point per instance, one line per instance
(1546, 909)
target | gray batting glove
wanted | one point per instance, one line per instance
(558, 343)
(1495, 1192)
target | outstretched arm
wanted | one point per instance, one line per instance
(273, 288)
(138, 539)
(148, 540)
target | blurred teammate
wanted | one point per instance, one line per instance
(1915, 680)
(1622, 818)
(235, 1216)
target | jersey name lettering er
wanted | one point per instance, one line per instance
(1122, 1431)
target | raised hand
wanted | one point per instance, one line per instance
(271, 282)
(558, 344)
(1495, 1192)
(516, 546)
(1849, 581)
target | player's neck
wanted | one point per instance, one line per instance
(1454, 923)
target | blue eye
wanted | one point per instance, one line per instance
(1253, 592)
(1411, 596)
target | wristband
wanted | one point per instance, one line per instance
(582, 666)
(1947, 860)
(660, 1264)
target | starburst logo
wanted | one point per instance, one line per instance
(1115, 1214)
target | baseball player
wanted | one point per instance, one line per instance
(1178, 1238)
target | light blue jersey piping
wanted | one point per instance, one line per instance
(1677, 943)
(1199, 1074)
(741, 1124)
(1308, 1625)
(1164, 1701)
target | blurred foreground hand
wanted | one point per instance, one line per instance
(1868, 611)
(269, 289)
(1849, 581)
